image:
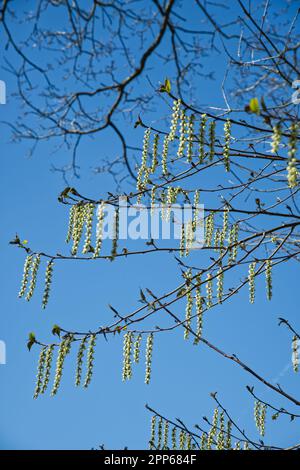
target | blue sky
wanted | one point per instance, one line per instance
(111, 412)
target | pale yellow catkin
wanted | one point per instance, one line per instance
(80, 355)
(292, 170)
(99, 229)
(48, 364)
(182, 241)
(226, 148)
(251, 280)
(269, 278)
(34, 271)
(88, 216)
(149, 352)
(127, 353)
(182, 137)
(212, 138)
(276, 138)
(188, 314)
(90, 360)
(78, 225)
(71, 223)
(136, 349)
(174, 119)
(40, 372)
(209, 291)
(48, 281)
(153, 433)
(26, 271)
(190, 137)
(199, 313)
(202, 137)
(63, 350)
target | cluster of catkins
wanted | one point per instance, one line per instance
(292, 170)
(81, 219)
(30, 272)
(131, 350)
(46, 358)
(223, 237)
(182, 130)
(162, 438)
(217, 438)
(192, 297)
(251, 279)
(260, 412)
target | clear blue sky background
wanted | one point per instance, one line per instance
(111, 412)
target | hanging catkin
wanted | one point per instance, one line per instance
(71, 223)
(174, 119)
(269, 278)
(77, 227)
(153, 433)
(80, 355)
(199, 312)
(48, 364)
(127, 352)
(63, 350)
(276, 138)
(212, 138)
(209, 291)
(159, 433)
(136, 349)
(226, 148)
(220, 284)
(182, 440)
(139, 183)
(188, 314)
(221, 434)
(154, 162)
(48, 281)
(292, 171)
(115, 234)
(166, 436)
(89, 214)
(182, 241)
(209, 229)
(149, 351)
(90, 360)
(26, 271)
(202, 137)
(34, 271)
(164, 156)
(182, 138)
(99, 229)
(190, 137)
(40, 372)
(225, 224)
(233, 243)
(189, 237)
(174, 438)
(251, 280)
